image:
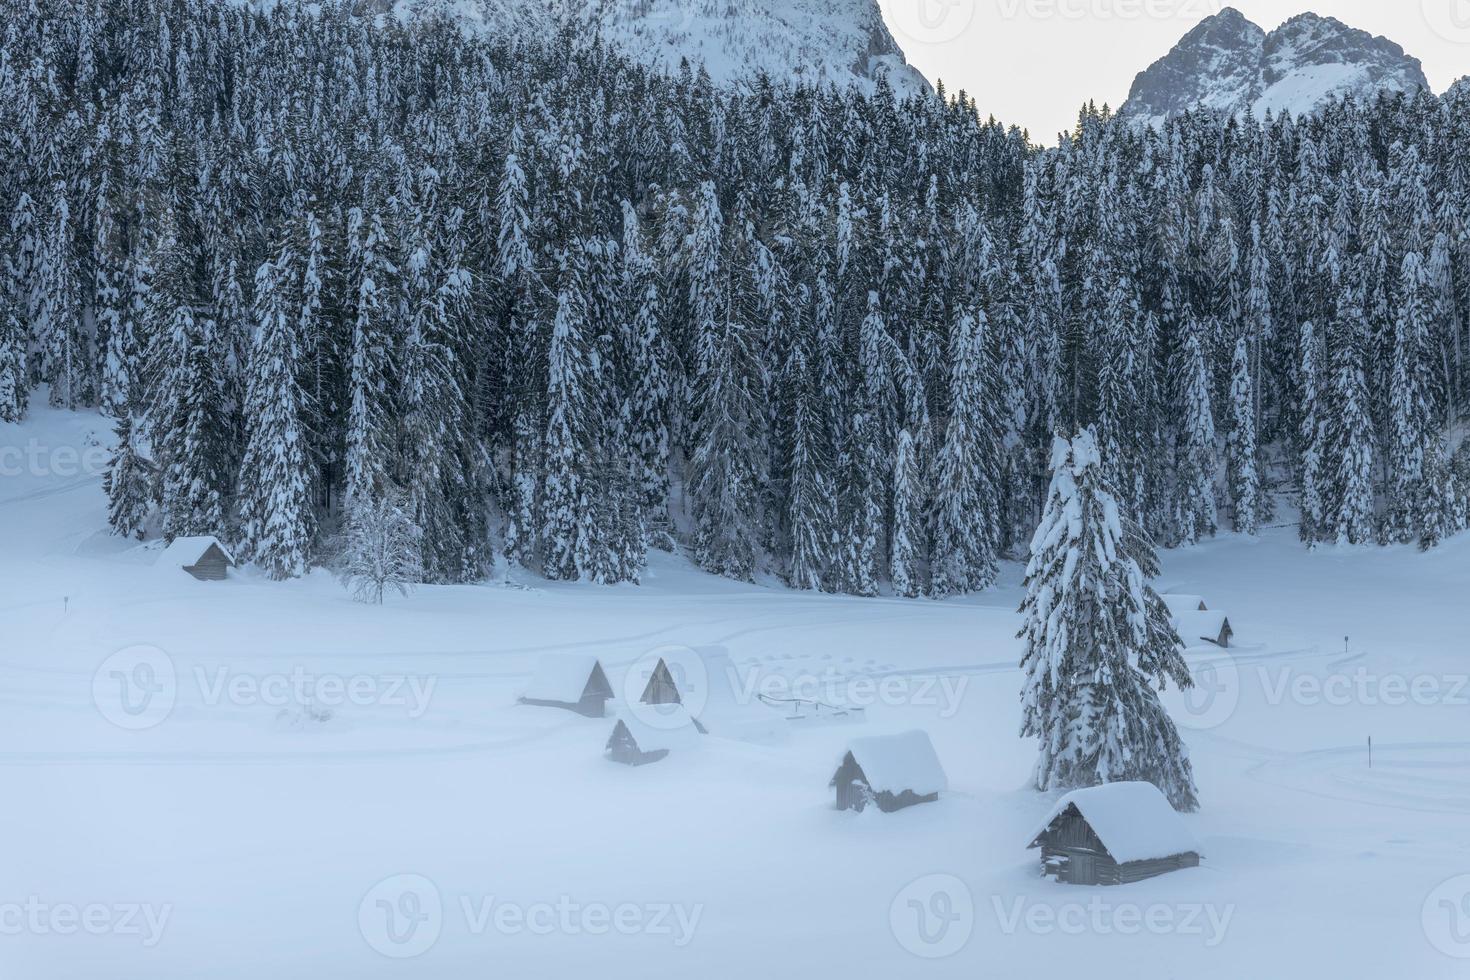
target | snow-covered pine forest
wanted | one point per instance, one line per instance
(551, 307)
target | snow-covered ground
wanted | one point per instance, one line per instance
(239, 834)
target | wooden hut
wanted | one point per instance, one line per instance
(1203, 625)
(1184, 603)
(1112, 835)
(571, 681)
(648, 733)
(661, 688)
(202, 557)
(893, 771)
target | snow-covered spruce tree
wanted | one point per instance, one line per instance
(17, 285)
(810, 511)
(370, 387)
(381, 547)
(1094, 648)
(1245, 477)
(1350, 431)
(869, 457)
(275, 479)
(1261, 329)
(1410, 415)
(64, 357)
(647, 406)
(1438, 503)
(707, 276)
(190, 429)
(438, 465)
(1312, 440)
(570, 535)
(725, 470)
(1195, 515)
(515, 267)
(964, 533)
(14, 386)
(126, 482)
(906, 552)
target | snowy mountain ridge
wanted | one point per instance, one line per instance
(1230, 64)
(815, 41)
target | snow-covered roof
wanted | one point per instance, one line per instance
(894, 763)
(659, 726)
(561, 677)
(710, 688)
(705, 677)
(1183, 603)
(1134, 821)
(1199, 625)
(183, 552)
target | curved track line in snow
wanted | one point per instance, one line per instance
(1337, 778)
(47, 492)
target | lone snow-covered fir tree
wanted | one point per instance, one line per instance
(1098, 640)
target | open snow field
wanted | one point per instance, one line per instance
(180, 813)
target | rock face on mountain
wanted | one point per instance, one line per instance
(1232, 65)
(841, 41)
(815, 41)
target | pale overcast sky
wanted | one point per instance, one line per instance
(1034, 62)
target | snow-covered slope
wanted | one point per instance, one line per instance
(1230, 64)
(203, 780)
(818, 41)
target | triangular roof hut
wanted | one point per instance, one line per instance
(575, 682)
(661, 688)
(202, 556)
(648, 733)
(1114, 834)
(1210, 626)
(1179, 603)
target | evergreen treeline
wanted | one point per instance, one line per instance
(557, 306)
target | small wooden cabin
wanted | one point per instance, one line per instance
(661, 688)
(571, 681)
(893, 771)
(1112, 835)
(202, 557)
(649, 733)
(1184, 603)
(1210, 627)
